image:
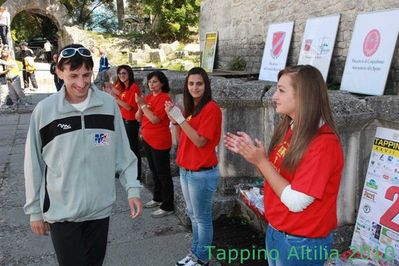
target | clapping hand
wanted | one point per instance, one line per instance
(242, 144)
(168, 106)
(174, 113)
(139, 99)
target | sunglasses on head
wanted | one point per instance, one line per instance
(70, 52)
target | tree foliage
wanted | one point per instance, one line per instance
(169, 19)
(82, 12)
(39, 25)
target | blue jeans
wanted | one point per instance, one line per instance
(198, 190)
(286, 250)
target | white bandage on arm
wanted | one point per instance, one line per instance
(294, 200)
(177, 115)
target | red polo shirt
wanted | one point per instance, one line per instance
(158, 136)
(127, 95)
(318, 174)
(207, 123)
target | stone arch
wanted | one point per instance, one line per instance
(52, 9)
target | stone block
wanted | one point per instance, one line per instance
(146, 48)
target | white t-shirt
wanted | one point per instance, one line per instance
(82, 105)
(5, 19)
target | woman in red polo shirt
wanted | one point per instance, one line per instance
(124, 92)
(157, 141)
(302, 170)
(198, 132)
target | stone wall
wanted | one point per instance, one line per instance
(243, 25)
(52, 9)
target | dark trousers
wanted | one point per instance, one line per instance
(80, 243)
(159, 163)
(48, 57)
(132, 130)
(32, 78)
(3, 34)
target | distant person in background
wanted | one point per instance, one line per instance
(104, 65)
(47, 50)
(16, 93)
(4, 25)
(28, 68)
(124, 92)
(3, 86)
(53, 70)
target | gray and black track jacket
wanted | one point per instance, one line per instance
(71, 158)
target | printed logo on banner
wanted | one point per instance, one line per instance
(369, 195)
(395, 180)
(324, 46)
(371, 42)
(277, 43)
(308, 45)
(372, 184)
(366, 208)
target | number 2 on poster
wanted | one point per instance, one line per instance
(387, 218)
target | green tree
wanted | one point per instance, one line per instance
(168, 20)
(82, 11)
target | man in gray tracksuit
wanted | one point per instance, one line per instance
(76, 144)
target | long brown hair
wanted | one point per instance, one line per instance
(130, 75)
(188, 100)
(312, 106)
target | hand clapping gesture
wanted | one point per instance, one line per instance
(139, 99)
(242, 144)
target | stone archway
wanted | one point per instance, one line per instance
(52, 9)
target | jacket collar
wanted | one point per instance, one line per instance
(65, 107)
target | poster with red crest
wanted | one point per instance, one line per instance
(275, 54)
(370, 53)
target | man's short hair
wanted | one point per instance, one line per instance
(76, 61)
(24, 44)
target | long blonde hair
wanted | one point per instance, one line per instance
(312, 106)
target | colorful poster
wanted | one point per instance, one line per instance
(318, 43)
(275, 54)
(208, 54)
(370, 52)
(376, 234)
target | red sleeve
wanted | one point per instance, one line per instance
(317, 166)
(211, 120)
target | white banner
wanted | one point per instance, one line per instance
(376, 234)
(318, 43)
(275, 54)
(370, 52)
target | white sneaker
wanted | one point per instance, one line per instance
(188, 260)
(160, 213)
(152, 204)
